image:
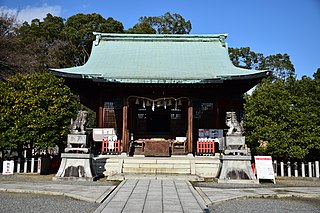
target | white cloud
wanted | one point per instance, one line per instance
(28, 13)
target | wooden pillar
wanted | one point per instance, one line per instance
(190, 128)
(217, 114)
(100, 117)
(220, 113)
(125, 127)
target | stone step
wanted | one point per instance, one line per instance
(157, 160)
(155, 165)
(113, 160)
(201, 166)
(156, 170)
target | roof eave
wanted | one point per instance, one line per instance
(217, 80)
(258, 75)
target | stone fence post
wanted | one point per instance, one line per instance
(282, 169)
(289, 168)
(18, 165)
(303, 169)
(295, 165)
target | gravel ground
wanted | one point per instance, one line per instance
(12, 202)
(268, 205)
(26, 177)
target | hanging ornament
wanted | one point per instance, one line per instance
(158, 103)
(144, 104)
(153, 106)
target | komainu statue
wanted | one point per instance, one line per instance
(235, 128)
(78, 125)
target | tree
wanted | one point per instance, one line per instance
(286, 114)
(35, 111)
(79, 29)
(142, 28)
(165, 24)
(55, 42)
(316, 75)
(45, 44)
(280, 64)
(245, 58)
(9, 45)
(48, 30)
(33, 47)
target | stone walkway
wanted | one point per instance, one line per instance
(153, 196)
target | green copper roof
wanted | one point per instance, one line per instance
(140, 58)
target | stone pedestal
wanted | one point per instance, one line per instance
(236, 169)
(75, 166)
(77, 142)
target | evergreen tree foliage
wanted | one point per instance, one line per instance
(79, 28)
(35, 111)
(280, 64)
(142, 28)
(165, 24)
(286, 115)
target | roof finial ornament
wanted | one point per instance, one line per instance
(223, 40)
(98, 38)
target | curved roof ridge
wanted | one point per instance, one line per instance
(161, 35)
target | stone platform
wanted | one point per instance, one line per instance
(236, 169)
(118, 167)
(75, 166)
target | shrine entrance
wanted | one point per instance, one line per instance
(158, 123)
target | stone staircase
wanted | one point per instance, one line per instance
(156, 166)
(119, 166)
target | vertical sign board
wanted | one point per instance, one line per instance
(8, 167)
(264, 168)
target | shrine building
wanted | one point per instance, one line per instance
(165, 88)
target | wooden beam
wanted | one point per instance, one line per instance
(190, 128)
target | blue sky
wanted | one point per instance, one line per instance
(266, 26)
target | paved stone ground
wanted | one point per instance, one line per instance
(153, 196)
(94, 192)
